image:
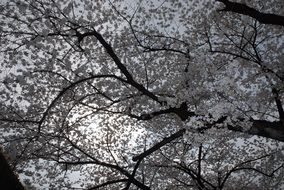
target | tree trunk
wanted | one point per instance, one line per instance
(8, 179)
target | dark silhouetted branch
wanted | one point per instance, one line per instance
(243, 9)
(159, 145)
(120, 65)
(182, 112)
(272, 130)
(278, 104)
(8, 180)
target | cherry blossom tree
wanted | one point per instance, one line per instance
(160, 94)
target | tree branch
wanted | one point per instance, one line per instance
(198, 176)
(272, 130)
(182, 112)
(278, 104)
(8, 180)
(159, 145)
(120, 65)
(64, 90)
(108, 165)
(243, 9)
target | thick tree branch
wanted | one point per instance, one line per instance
(182, 112)
(243, 9)
(133, 173)
(199, 177)
(119, 64)
(159, 145)
(278, 104)
(272, 130)
(8, 180)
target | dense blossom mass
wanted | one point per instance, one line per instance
(143, 94)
